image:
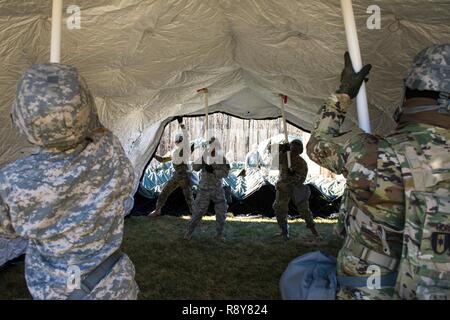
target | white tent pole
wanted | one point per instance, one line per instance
(286, 136)
(205, 92)
(206, 111)
(55, 46)
(355, 54)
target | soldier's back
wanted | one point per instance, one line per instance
(70, 205)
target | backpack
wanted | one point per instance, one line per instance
(310, 277)
(313, 277)
(424, 156)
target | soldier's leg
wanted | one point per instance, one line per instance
(304, 210)
(220, 208)
(187, 192)
(200, 207)
(170, 187)
(281, 208)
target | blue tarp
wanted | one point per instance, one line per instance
(244, 178)
(241, 185)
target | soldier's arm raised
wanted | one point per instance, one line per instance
(322, 147)
(355, 158)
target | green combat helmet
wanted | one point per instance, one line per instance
(53, 107)
(430, 71)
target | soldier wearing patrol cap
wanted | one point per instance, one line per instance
(398, 187)
(69, 199)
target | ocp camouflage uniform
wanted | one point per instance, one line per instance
(372, 212)
(396, 212)
(67, 200)
(180, 179)
(285, 187)
(210, 189)
(424, 155)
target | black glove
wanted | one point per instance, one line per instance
(209, 168)
(351, 81)
(179, 119)
(285, 147)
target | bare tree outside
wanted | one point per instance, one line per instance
(239, 136)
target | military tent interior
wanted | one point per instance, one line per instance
(144, 60)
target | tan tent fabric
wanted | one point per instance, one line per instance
(144, 59)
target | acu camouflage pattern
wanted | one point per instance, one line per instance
(210, 189)
(69, 203)
(424, 154)
(181, 176)
(177, 181)
(286, 185)
(374, 185)
(431, 70)
(53, 106)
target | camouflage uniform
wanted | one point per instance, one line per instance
(10, 249)
(424, 154)
(210, 189)
(180, 179)
(397, 203)
(285, 187)
(68, 199)
(372, 212)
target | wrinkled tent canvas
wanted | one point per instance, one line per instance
(144, 60)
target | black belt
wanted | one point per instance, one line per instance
(94, 277)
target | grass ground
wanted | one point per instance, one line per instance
(248, 265)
